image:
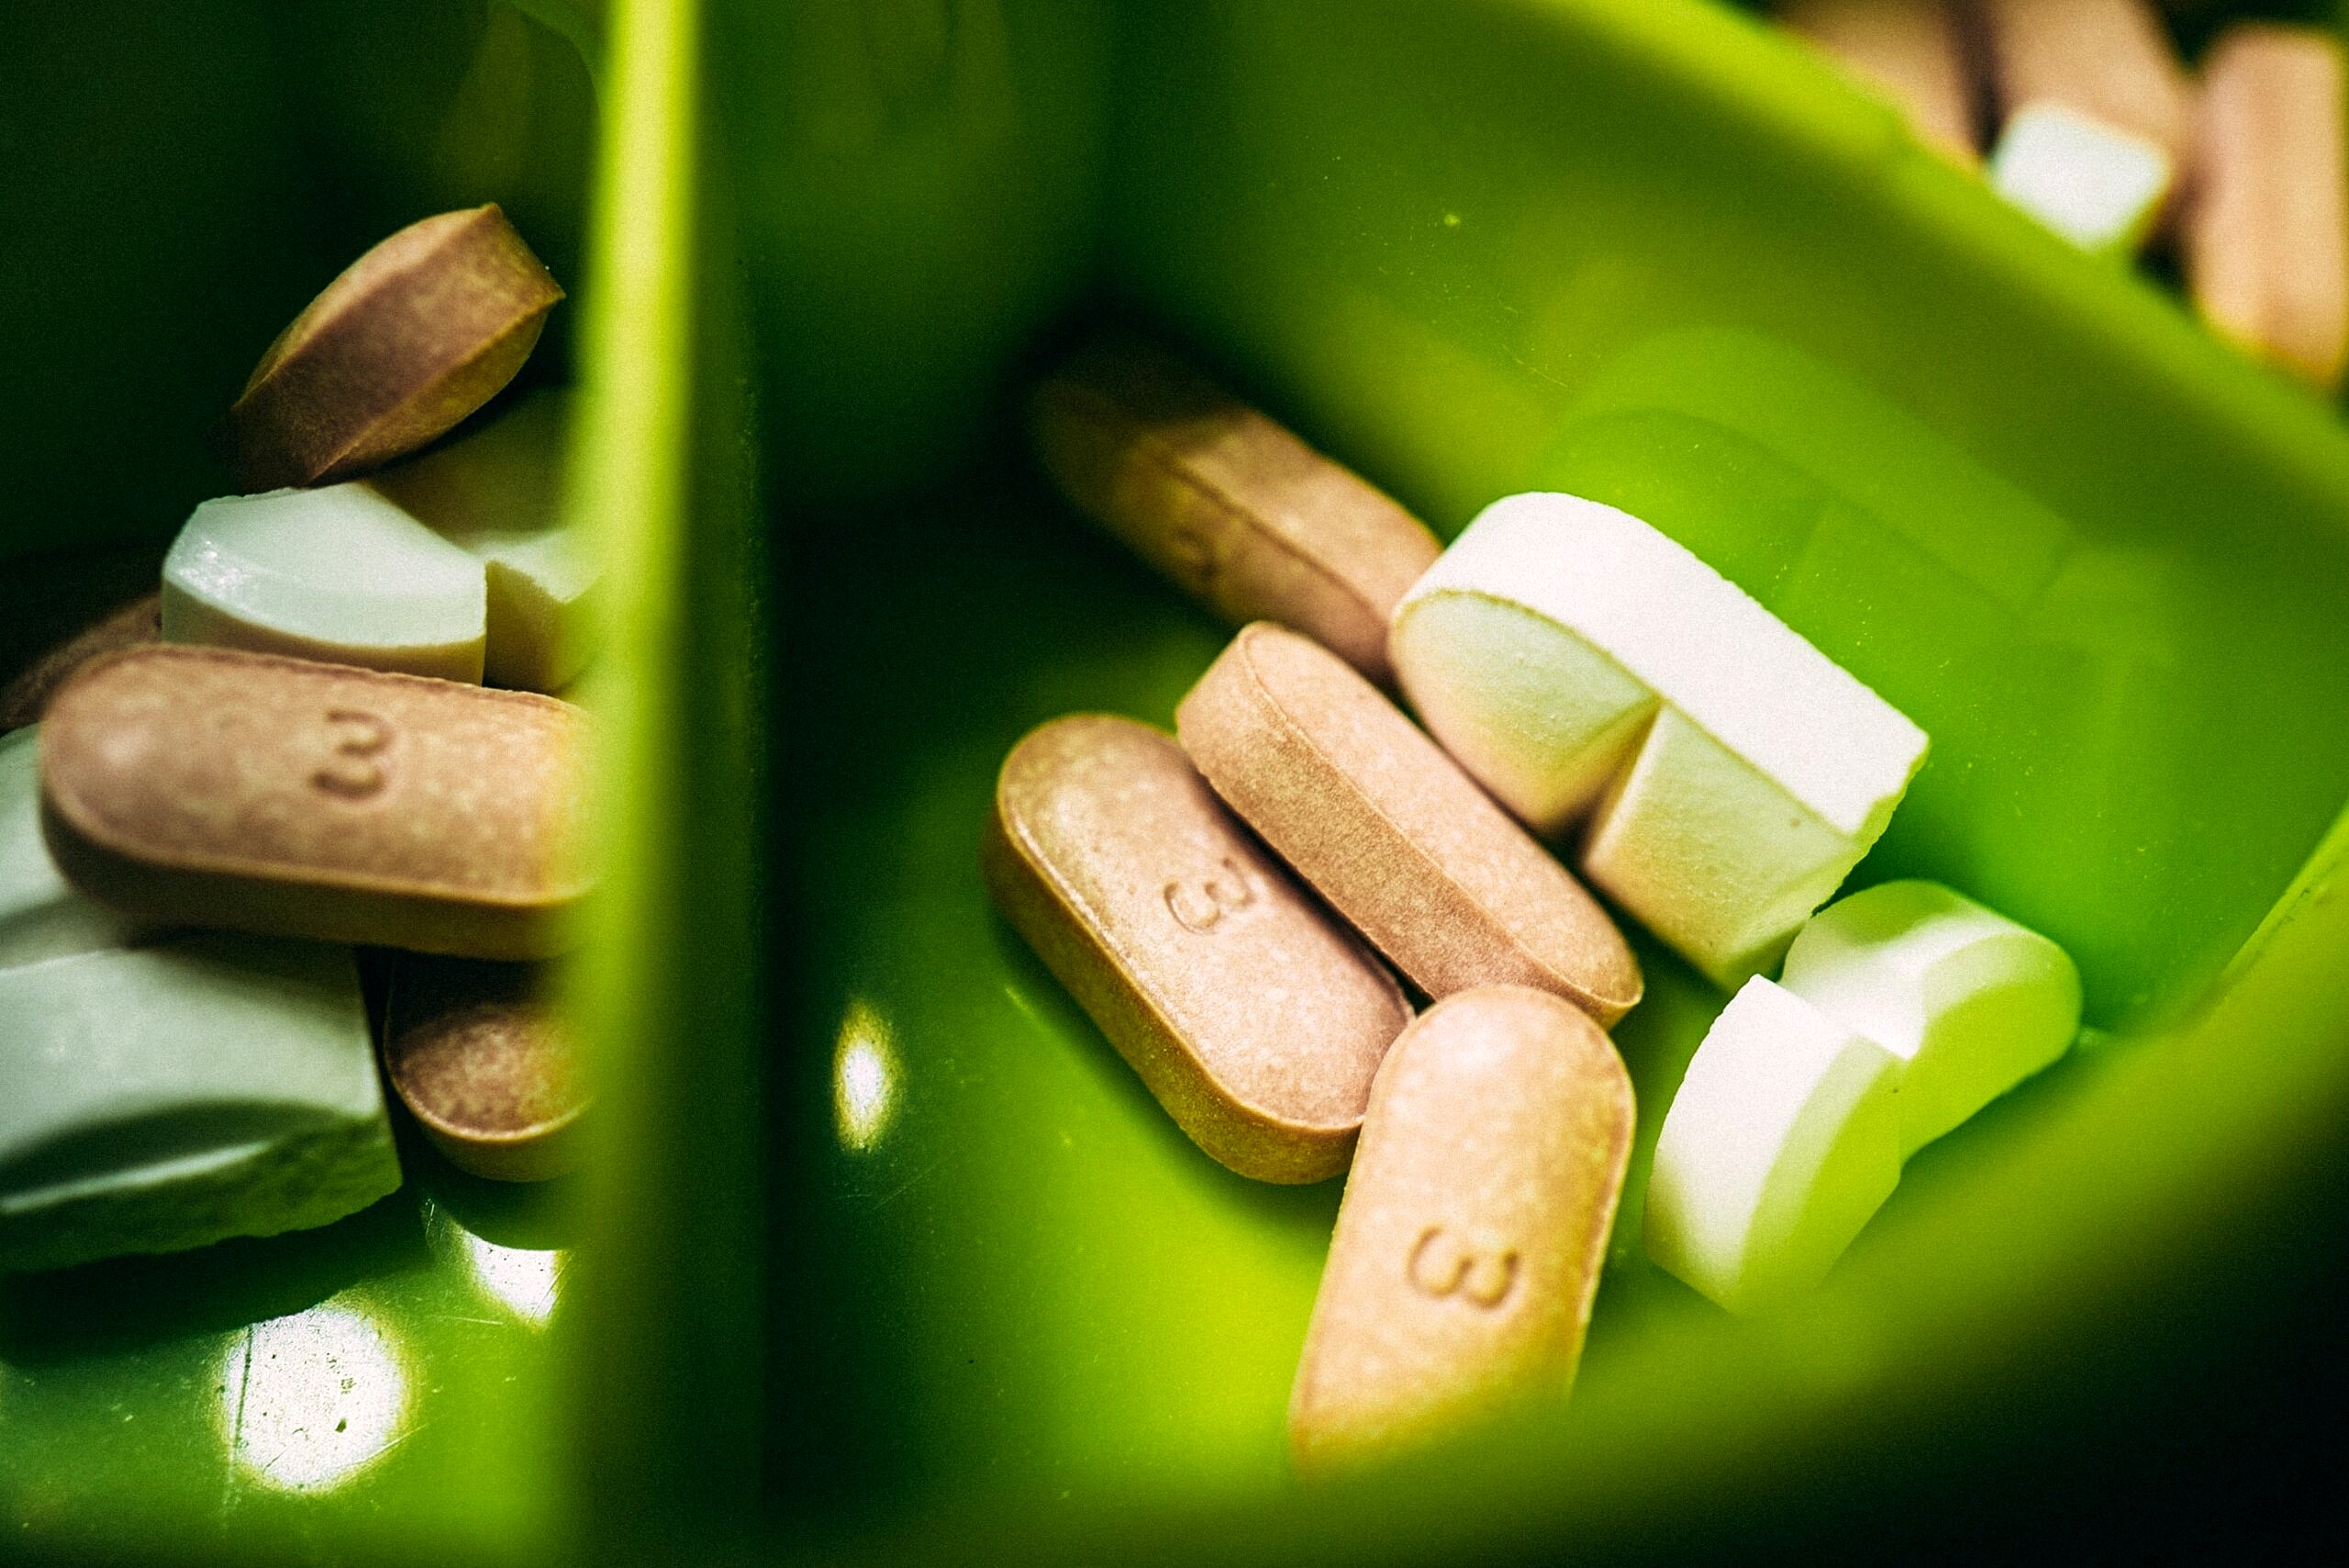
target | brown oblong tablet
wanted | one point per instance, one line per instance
(209, 787)
(1473, 1228)
(1255, 1018)
(25, 698)
(2267, 235)
(1382, 824)
(480, 1055)
(414, 336)
(1231, 506)
(1911, 52)
(2111, 58)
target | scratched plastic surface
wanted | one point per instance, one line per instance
(958, 1291)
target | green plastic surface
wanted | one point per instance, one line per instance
(884, 1252)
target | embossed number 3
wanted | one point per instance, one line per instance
(1441, 1267)
(1203, 908)
(354, 774)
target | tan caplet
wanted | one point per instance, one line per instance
(208, 787)
(2111, 59)
(2267, 235)
(24, 699)
(1231, 506)
(1253, 1017)
(480, 1054)
(1473, 1229)
(1374, 817)
(1910, 53)
(414, 336)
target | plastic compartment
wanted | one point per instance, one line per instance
(887, 1254)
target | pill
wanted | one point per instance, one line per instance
(497, 495)
(165, 1097)
(479, 1053)
(1590, 671)
(41, 916)
(2110, 60)
(2097, 185)
(2264, 237)
(1968, 1003)
(337, 574)
(254, 793)
(1255, 1019)
(1231, 506)
(1473, 1227)
(1783, 1140)
(1910, 52)
(25, 698)
(414, 336)
(1384, 826)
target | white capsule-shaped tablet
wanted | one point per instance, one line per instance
(338, 574)
(1783, 1142)
(1970, 1002)
(2090, 180)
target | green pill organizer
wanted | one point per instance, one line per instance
(884, 1254)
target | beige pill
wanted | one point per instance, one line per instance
(414, 336)
(1473, 1228)
(1254, 1018)
(1910, 52)
(1233, 508)
(481, 1057)
(2109, 59)
(24, 699)
(1382, 824)
(209, 787)
(2266, 240)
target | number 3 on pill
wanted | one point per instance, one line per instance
(1202, 905)
(1442, 1265)
(352, 773)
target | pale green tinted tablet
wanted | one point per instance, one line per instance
(40, 917)
(159, 1098)
(497, 495)
(337, 574)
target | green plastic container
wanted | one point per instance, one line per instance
(885, 1255)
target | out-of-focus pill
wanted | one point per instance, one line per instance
(1473, 1228)
(24, 698)
(239, 790)
(1782, 1142)
(1909, 51)
(337, 574)
(2267, 237)
(414, 336)
(1233, 506)
(480, 1055)
(2110, 60)
(1390, 831)
(1253, 1016)
(497, 495)
(2098, 186)
(1970, 1003)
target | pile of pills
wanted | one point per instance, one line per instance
(209, 798)
(2093, 123)
(1235, 905)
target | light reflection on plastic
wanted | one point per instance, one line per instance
(522, 1280)
(864, 1077)
(310, 1400)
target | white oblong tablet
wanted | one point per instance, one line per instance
(497, 495)
(1539, 646)
(1784, 1139)
(1970, 1002)
(41, 916)
(338, 574)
